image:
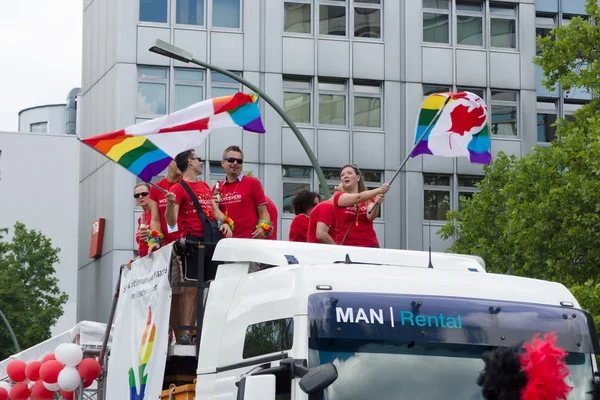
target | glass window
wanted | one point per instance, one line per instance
(189, 87)
(428, 90)
(295, 178)
(469, 23)
(153, 10)
(545, 131)
(373, 179)
(297, 99)
(436, 25)
(478, 91)
(226, 13)
(436, 197)
(222, 85)
(367, 104)
(39, 127)
(504, 113)
(503, 26)
(367, 19)
(152, 90)
(467, 186)
(332, 19)
(190, 12)
(297, 17)
(268, 337)
(332, 103)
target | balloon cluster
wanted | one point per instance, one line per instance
(64, 371)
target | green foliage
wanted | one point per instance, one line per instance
(29, 295)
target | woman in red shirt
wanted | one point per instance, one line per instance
(140, 193)
(354, 225)
(303, 202)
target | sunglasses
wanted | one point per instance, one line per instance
(142, 194)
(233, 160)
(196, 158)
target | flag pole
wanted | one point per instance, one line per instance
(433, 121)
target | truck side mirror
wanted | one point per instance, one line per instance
(257, 387)
(318, 378)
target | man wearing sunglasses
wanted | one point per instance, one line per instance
(243, 198)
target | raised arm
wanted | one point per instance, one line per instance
(349, 199)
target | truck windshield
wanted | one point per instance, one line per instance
(388, 370)
(391, 346)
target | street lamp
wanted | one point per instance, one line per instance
(168, 50)
(12, 334)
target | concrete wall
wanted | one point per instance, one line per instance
(53, 115)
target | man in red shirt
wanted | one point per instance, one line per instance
(181, 211)
(274, 215)
(243, 198)
(321, 224)
(158, 206)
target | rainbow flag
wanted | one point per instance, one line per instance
(147, 148)
(461, 129)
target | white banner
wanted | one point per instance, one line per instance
(141, 330)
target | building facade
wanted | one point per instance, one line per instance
(351, 73)
(39, 180)
(51, 118)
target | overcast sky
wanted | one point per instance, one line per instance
(40, 54)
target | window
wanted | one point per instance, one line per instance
(297, 99)
(543, 28)
(469, 23)
(152, 90)
(332, 177)
(545, 131)
(367, 104)
(467, 185)
(217, 172)
(39, 127)
(436, 197)
(295, 178)
(153, 10)
(436, 21)
(504, 112)
(373, 179)
(332, 17)
(332, 102)
(268, 337)
(297, 17)
(189, 87)
(223, 85)
(478, 91)
(190, 12)
(226, 13)
(503, 26)
(428, 90)
(367, 18)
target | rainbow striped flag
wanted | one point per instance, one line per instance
(460, 131)
(147, 148)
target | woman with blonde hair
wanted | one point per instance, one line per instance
(140, 194)
(354, 224)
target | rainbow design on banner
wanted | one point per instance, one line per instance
(147, 148)
(144, 356)
(461, 129)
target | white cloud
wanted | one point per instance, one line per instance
(40, 42)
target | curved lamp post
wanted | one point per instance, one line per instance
(12, 334)
(168, 50)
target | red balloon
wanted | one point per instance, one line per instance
(48, 357)
(19, 392)
(39, 392)
(65, 395)
(33, 370)
(16, 370)
(87, 383)
(3, 394)
(49, 371)
(89, 369)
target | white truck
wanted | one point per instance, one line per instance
(302, 321)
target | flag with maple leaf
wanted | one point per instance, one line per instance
(460, 130)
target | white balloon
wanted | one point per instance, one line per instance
(5, 385)
(53, 387)
(69, 354)
(69, 379)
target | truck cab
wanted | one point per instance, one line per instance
(285, 320)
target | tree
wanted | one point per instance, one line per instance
(29, 294)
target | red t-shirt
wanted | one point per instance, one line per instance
(274, 217)
(159, 198)
(142, 244)
(323, 212)
(299, 228)
(362, 233)
(239, 200)
(188, 220)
